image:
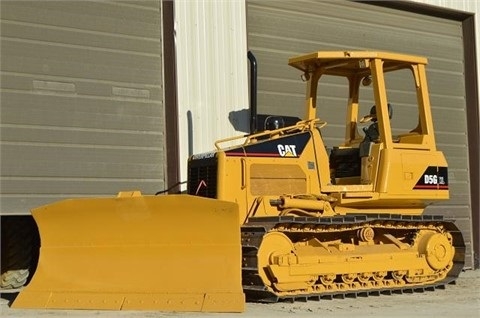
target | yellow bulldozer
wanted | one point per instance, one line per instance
(275, 215)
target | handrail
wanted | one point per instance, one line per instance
(300, 126)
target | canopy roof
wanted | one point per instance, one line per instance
(349, 62)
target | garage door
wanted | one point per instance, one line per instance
(278, 30)
(81, 100)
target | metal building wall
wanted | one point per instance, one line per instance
(212, 76)
(278, 30)
(473, 109)
(81, 100)
(471, 6)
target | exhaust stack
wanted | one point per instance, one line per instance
(253, 92)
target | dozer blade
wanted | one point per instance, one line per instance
(169, 253)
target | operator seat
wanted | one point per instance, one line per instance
(371, 132)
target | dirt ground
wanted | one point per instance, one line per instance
(459, 300)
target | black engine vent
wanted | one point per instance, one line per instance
(202, 177)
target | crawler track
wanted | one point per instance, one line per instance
(256, 228)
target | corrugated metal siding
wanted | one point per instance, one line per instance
(211, 74)
(81, 100)
(466, 6)
(472, 110)
(278, 30)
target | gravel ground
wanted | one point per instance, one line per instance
(459, 300)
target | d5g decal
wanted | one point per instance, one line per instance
(432, 179)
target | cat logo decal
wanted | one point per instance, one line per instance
(287, 150)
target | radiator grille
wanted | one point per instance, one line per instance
(202, 177)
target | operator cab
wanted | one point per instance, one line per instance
(373, 82)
